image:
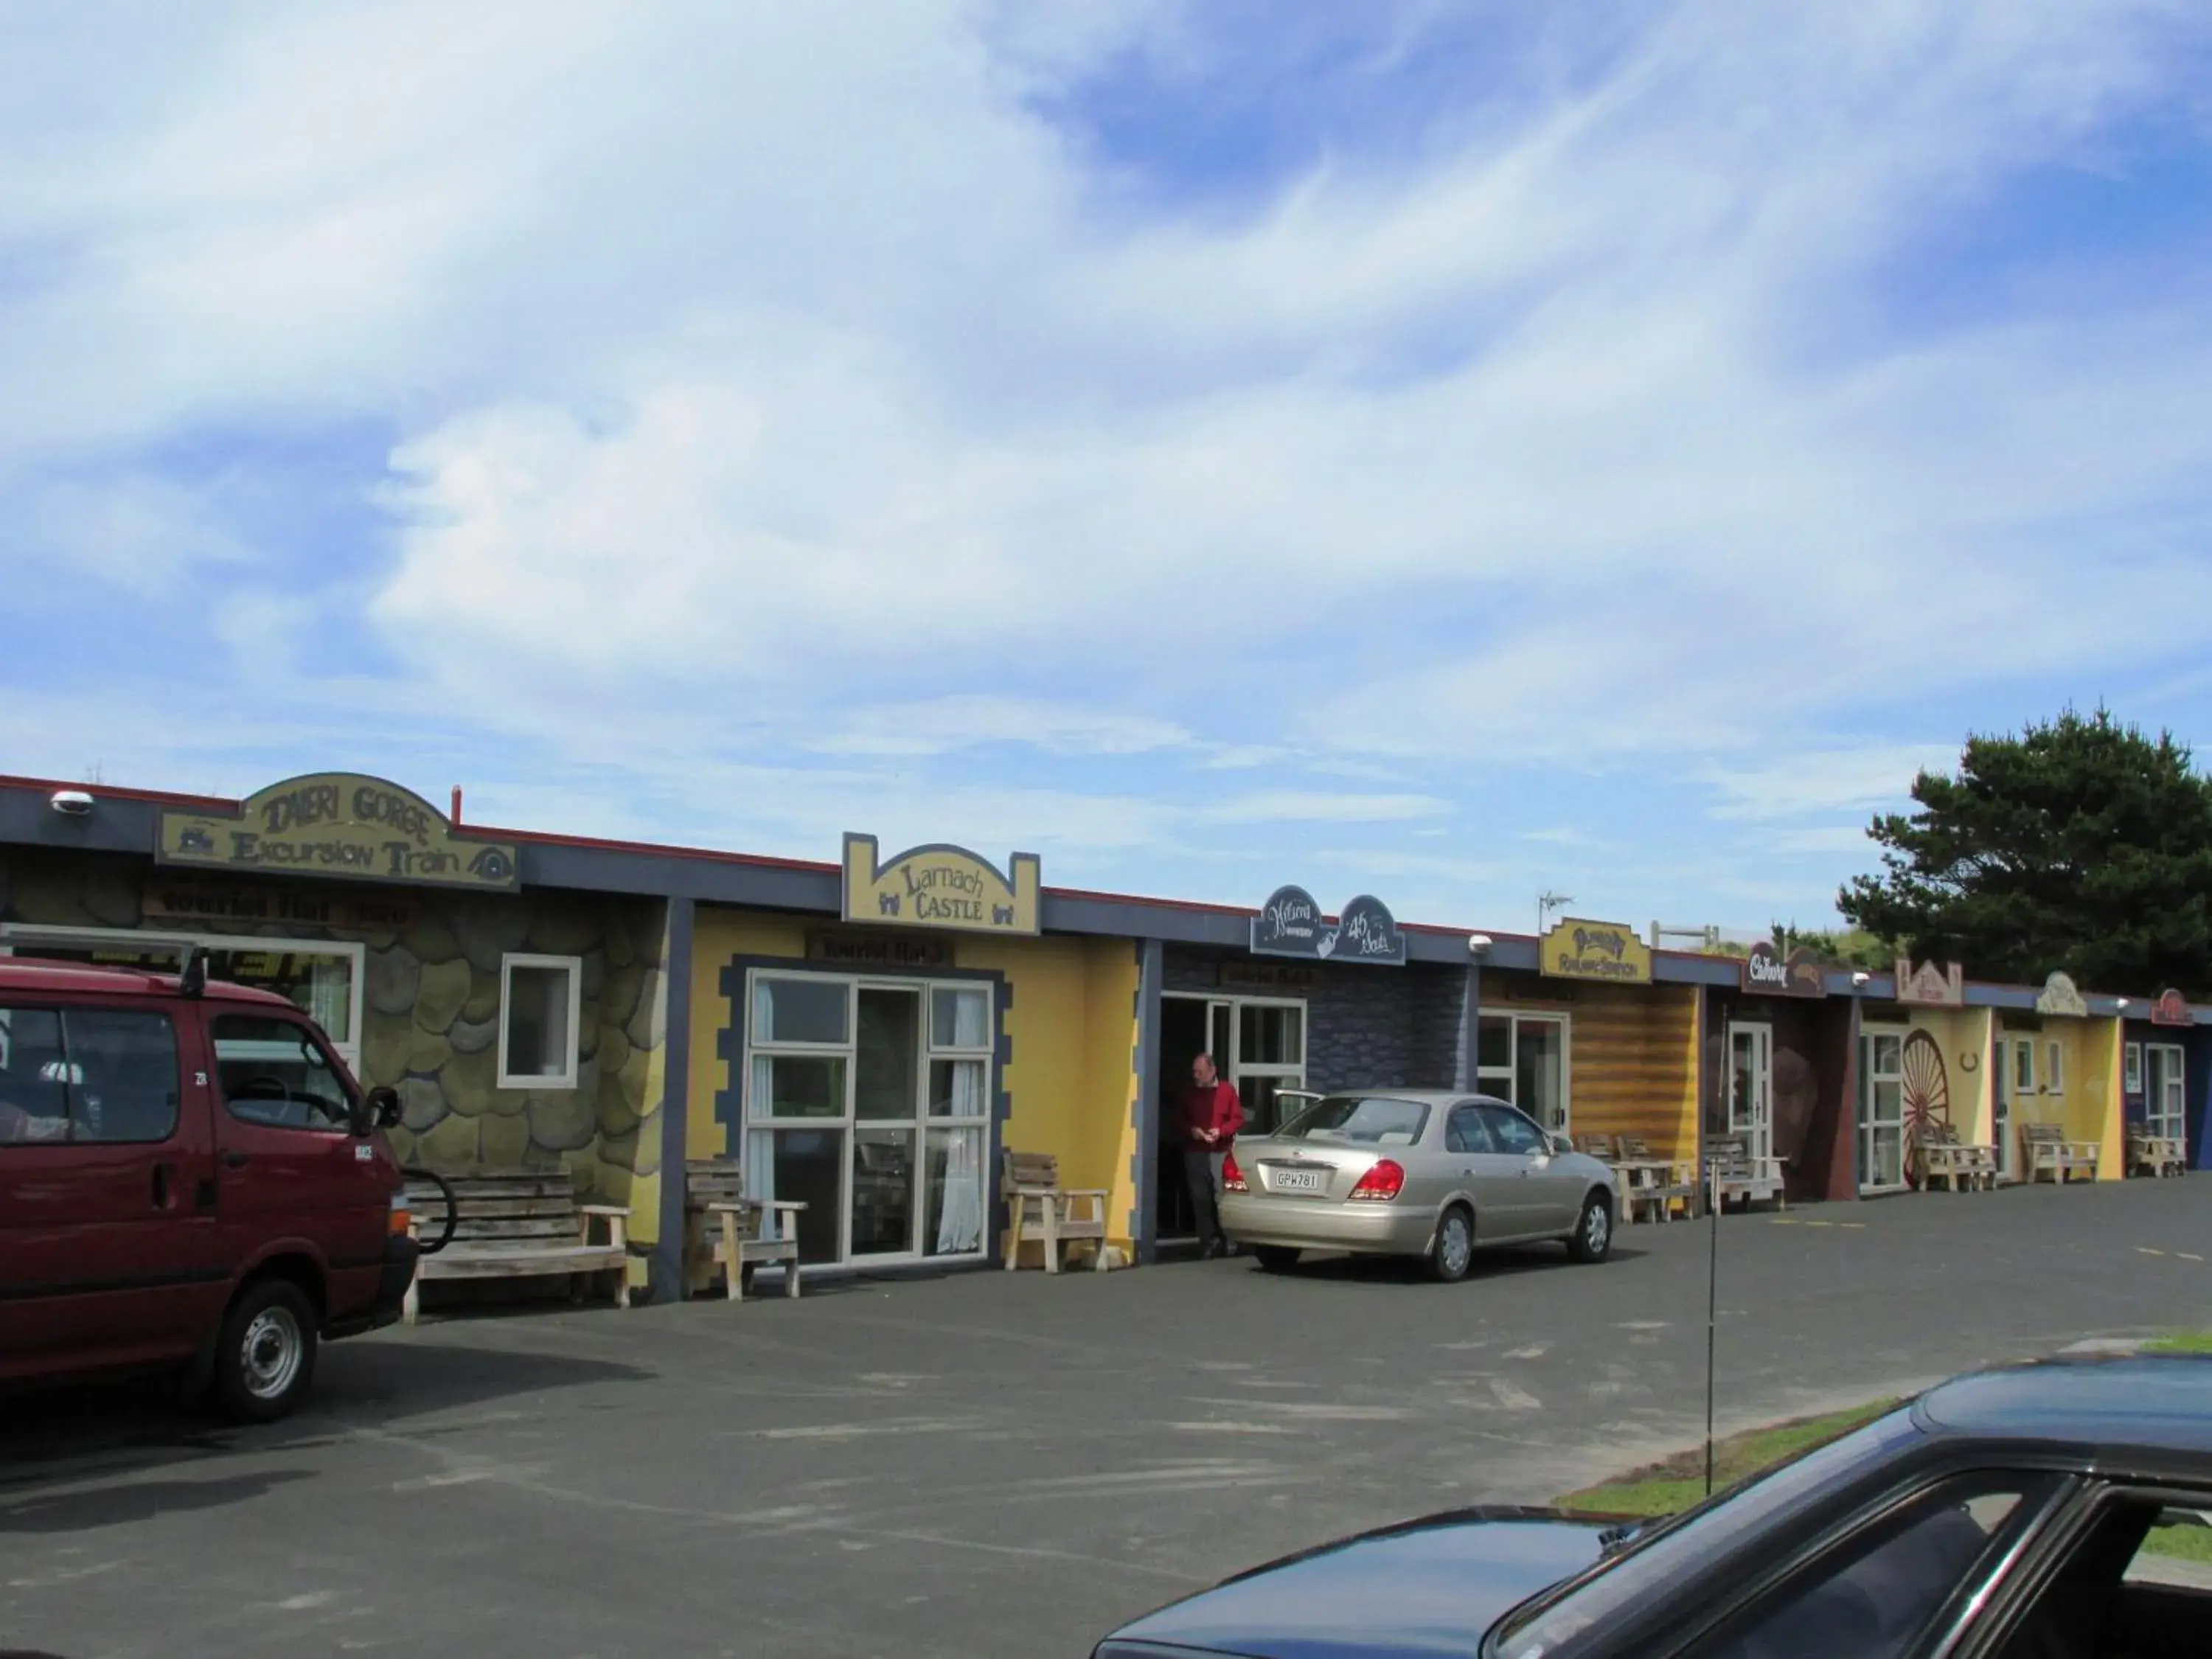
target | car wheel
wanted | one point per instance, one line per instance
(1276, 1258)
(1592, 1239)
(1453, 1253)
(265, 1356)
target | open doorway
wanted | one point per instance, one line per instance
(1190, 1027)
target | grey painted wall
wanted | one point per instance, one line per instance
(1405, 1026)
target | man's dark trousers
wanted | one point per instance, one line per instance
(1205, 1203)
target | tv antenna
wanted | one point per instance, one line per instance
(1548, 903)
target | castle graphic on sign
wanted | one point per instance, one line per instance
(940, 886)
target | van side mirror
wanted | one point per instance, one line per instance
(383, 1105)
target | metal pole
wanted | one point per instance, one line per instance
(1713, 1312)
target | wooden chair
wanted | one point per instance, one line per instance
(2049, 1152)
(1731, 1172)
(1039, 1208)
(1597, 1146)
(1652, 1183)
(1964, 1166)
(723, 1228)
(2158, 1156)
(518, 1223)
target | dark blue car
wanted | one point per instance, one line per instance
(2018, 1514)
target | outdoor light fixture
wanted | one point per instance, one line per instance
(1859, 980)
(70, 803)
(2121, 1005)
(1477, 944)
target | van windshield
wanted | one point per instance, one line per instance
(1359, 1121)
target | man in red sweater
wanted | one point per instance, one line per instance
(1211, 1115)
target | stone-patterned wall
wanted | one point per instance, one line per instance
(430, 1014)
(1400, 1026)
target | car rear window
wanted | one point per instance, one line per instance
(1359, 1121)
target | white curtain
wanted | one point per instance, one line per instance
(960, 1218)
(966, 1088)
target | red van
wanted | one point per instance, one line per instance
(189, 1176)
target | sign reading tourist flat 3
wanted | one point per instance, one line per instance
(940, 886)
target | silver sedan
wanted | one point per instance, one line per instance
(1412, 1172)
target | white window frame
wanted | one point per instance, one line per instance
(848, 1122)
(2021, 1048)
(567, 1078)
(356, 954)
(1504, 1082)
(2132, 1077)
(1284, 1073)
(2054, 1068)
(2174, 1069)
(1866, 1123)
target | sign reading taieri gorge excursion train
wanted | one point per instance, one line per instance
(337, 824)
(1609, 951)
(940, 886)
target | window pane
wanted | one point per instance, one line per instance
(1537, 1081)
(956, 1088)
(960, 1019)
(34, 1092)
(801, 1166)
(887, 1058)
(882, 1192)
(1270, 1036)
(1264, 1108)
(1888, 1054)
(319, 985)
(798, 1085)
(1513, 1134)
(953, 1193)
(800, 1009)
(2054, 1070)
(538, 1036)
(1494, 1042)
(270, 1073)
(123, 1067)
(1886, 1587)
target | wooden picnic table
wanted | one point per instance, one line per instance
(1657, 1182)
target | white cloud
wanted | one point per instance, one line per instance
(1318, 806)
(1828, 781)
(943, 725)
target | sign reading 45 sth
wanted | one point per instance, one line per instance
(338, 824)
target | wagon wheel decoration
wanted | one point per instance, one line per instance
(1926, 1098)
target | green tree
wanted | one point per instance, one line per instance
(1852, 947)
(2080, 844)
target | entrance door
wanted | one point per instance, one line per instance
(2001, 1109)
(886, 1086)
(1522, 1058)
(1881, 1111)
(1751, 1087)
(2165, 1098)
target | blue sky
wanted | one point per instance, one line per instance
(1451, 451)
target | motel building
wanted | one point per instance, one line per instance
(868, 1035)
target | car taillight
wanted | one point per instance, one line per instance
(401, 1219)
(1232, 1178)
(1381, 1183)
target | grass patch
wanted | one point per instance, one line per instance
(2183, 1342)
(1677, 1482)
(2186, 1543)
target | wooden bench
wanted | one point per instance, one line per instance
(1656, 1184)
(1039, 1208)
(518, 1223)
(1600, 1147)
(723, 1228)
(2049, 1152)
(1731, 1172)
(1965, 1165)
(2157, 1155)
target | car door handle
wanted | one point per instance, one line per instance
(235, 1160)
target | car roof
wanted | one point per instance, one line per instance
(95, 979)
(1420, 1096)
(2152, 1402)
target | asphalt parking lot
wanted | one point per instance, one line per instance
(990, 1464)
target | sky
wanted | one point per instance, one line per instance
(1454, 452)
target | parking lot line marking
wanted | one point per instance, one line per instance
(2185, 1256)
(1784, 1221)
(1856, 1226)
(2145, 1249)
(1818, 1224)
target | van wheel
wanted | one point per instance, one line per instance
(1276, 1258)
(265, 1356)
(1453, 1253)
(1592, 1239)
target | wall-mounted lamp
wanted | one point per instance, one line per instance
(70, 803)
(2121, 1004)
(1861, 979)
(1477, 944)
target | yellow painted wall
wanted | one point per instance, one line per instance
(1631, 1056)
(2090, 1107)
(1070, 1015)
